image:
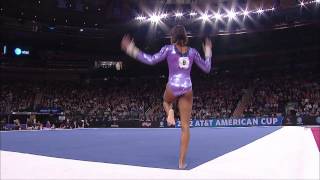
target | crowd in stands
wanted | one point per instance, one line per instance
(141, 99)
(16, 96)
(216, 98)
(272, 94)
(128, 99)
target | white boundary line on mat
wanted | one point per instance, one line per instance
(289, 153)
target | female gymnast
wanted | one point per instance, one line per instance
(180, 58)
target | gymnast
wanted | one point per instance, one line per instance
(180, 58)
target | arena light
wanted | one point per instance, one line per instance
(178, 14)
(304, 3)
(217, 16)
(205, 17)
(164, 15)
(193, 14)
(245, 13)
(231, 14)
(155, 18)
(260, 11)
(141, 18)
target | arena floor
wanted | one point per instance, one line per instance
(221, 153)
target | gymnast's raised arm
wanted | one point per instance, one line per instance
(204, 65)
(127, 45)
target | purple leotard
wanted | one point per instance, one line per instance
(179, 80)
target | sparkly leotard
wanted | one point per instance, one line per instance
(179, 80)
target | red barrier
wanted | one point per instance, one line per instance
(316, 134)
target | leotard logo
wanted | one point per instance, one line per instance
(184, 62)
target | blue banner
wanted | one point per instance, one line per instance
(50, 110)
(235, 122)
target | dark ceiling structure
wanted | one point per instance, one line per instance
(77, 33)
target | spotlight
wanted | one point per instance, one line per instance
(141, 18)
(193, 14)
(217, 16)
(272, 9)
(165, 15)
(260, 11)
(245, 13)
(178, 14)
(155, 18)
(317, 1)
(81, 30)
(231, 14)
(205, 17)
(302, 3)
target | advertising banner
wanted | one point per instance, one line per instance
(235, 122)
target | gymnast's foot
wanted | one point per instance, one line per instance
(170, 118)
(183, 165)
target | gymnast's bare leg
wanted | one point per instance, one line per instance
(168, 99)
(185, 108)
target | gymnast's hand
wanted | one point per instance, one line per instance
(207, 48)
(127, 45)
(126, 40)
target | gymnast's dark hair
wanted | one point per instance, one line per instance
(179, 35)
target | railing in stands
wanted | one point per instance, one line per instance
(242, 104)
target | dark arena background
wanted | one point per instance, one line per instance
(75, 106)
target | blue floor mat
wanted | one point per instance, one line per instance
(157, 148)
